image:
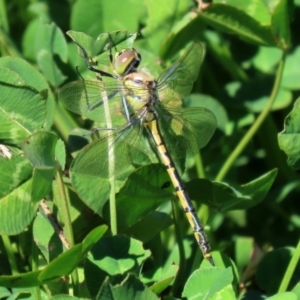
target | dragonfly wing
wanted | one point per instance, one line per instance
(181, 75)
(186, 130)
(111, 155)
(107, 156)
(117, 155)
(87, 98)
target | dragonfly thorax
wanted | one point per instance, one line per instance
(140, 89)
(126, 61)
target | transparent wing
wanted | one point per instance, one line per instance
(177, 81)
(186, 130)
(113, 154)
(87, 98)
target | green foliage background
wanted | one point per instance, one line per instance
(245, 182)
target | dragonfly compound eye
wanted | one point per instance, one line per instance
(127, 61)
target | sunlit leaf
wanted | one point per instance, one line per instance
(289, 138)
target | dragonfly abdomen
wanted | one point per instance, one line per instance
(198, 229)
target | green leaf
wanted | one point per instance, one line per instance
(206, 101)
(243, 250)
(209, 283)
(29, 39)
(24, 280)
(230, 19)
(118, 255)
(289, 138)
(165, 279)
(23, 108)
(266, 59)
(85, 41)
(291, 71)
(45, 237)
(163, 273)
(4, 292)
(148, 193)
(223, 197)
(103, 42)
(254, 8)
(272, 269)
(95, 197)
(162, 19)
(51, 50)
(39, 148)
(184, 30)
(94, 17)
(283, 296)
(93, 49)
(129, 289)
(66, 297)
(296, 289)
(60, 153)
(146, 228)
(17, 209)
(62, 265)
(41, 183)
(32, 78)
(281, 25)
(160, 286)
(15, 171)
(51, 71)
(255, 95)
(94, 278)
(258, 188)
(92, 238)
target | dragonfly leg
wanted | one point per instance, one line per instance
(100, 102)
(102, 128)
(89, 66)
(125, 106)
(111, 58)
(131, 122)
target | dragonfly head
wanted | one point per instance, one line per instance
(126, 61)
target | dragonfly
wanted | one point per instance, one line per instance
(139, 105)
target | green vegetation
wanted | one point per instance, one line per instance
(128, 238)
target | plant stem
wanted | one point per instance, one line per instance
(3, 16)
(111, 158)
(111, 166)
(253, 129)
(10, 255)
(290, 270)
(112, 208)
(199, 166)
(66, 218)
(65, 213)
